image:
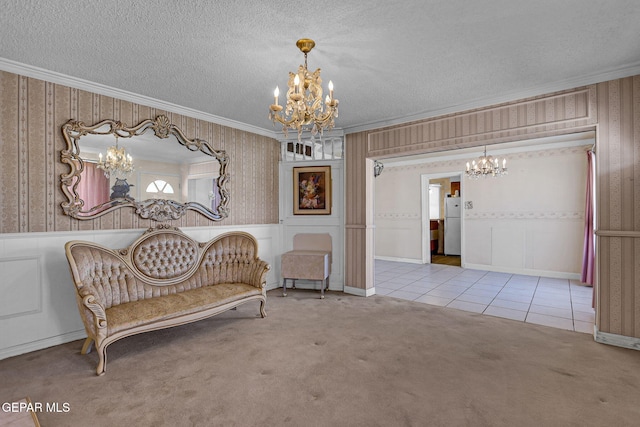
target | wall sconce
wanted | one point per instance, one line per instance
(377, 168)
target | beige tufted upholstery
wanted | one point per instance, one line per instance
(165, 256)
(163, 279)
(310, 259)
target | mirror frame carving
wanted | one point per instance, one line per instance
(154, 209)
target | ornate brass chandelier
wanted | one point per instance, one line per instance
(304, 108)
(486, 166)
(117, 163)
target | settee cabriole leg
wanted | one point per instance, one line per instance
(102, 362)
(293, 286)
(86, 347)
(263, 313)
(284, 287)
(322, 289)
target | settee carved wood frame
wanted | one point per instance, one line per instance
(154, 209)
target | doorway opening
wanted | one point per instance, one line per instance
(526, 223)
(442, 218)
(521, 240)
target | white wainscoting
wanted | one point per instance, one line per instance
(546, 246)
(37, 297)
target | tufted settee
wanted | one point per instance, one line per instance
(163, 279)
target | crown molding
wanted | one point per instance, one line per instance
(571, 83)
(63, 79)
(74, 82)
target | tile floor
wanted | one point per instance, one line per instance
(559, 303)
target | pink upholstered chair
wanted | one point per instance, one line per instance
(310, 259)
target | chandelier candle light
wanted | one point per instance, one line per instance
(304, 108)
(486, 166)
(118, 163)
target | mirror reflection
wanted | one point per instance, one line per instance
(145, 167)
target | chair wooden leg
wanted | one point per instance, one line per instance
(86, 347)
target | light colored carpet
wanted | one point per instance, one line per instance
(342, 361)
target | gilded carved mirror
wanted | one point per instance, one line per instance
(145, 167)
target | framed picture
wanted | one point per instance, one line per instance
(312, 190)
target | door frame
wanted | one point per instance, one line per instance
(424, 207)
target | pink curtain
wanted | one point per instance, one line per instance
(588, 255)
(93, 187)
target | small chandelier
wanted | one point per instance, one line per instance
(117, 163)
(305, 109)
(486, 166)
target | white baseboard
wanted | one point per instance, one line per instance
(615, 339)
(359, 291)
(273, 285)
(310, 285)
(39, 345)
(396, 259)
(523, 271)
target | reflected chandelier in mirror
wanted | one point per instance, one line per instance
(146, 169)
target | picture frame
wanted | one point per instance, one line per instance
(312, 190)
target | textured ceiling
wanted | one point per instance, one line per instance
(390, 61)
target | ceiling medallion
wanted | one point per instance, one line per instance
(305, 109)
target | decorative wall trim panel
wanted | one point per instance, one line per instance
(460, 162)
(525, 215)
(20, 287)
(617, 233)
(553, 114)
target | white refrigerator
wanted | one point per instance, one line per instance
(452, 229)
